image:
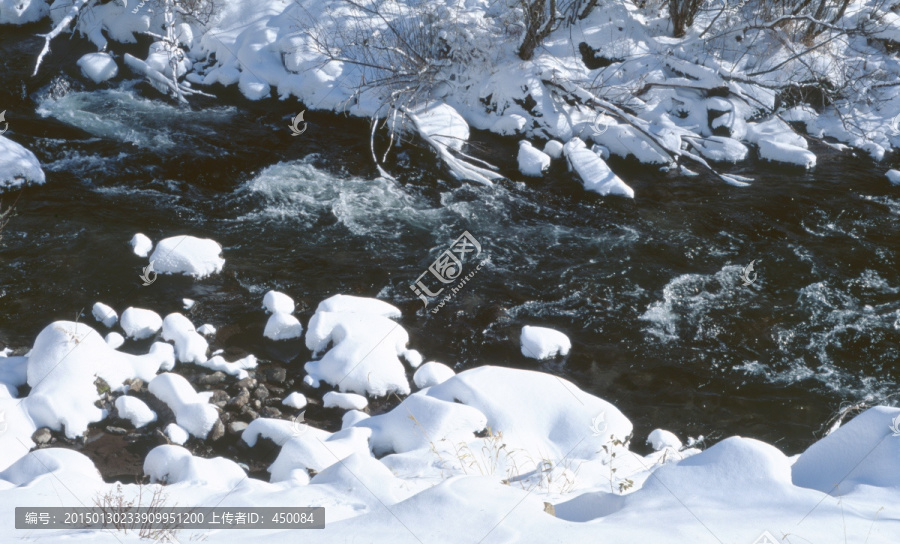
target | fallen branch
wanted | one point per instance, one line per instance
(57, 30)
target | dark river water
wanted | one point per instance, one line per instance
(647, 289)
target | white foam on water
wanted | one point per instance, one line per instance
(124, 116)
(298, 191)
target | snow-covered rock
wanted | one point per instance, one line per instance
(532, 161)
(283, 326)
(139, 323)
(206, 330)
(104, 314)
(135, 410)
(432, 373)
(661, 439)
(187, 303)
(18, 166)
(554, 148)
(141, 245)
(176, 434)
(893, 176)
(170, 465)
(509, 125)
(63, 370)
(594, 173)
(20, 12)
(98, 67)
(777, 151)
(720, 149)
(238, 368)
(275, 302)
(187, 255)
(346, 401)
(624, 141)
(352, 417)
(115, 340)
(544, 343)
(190, 346)
(192, 411)
(366, 346)
(295, 400)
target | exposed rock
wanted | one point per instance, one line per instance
(268, 411)
(219, 395)
(237, 427)
(217, 432)
(247, 383)
(261, 392)
(276, 375)
(116, 430)
(42, 436)
(215, 378)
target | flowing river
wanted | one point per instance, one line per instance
(649, 290)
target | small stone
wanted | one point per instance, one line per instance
(217, 431)
(219, 395)
(134, 384)
(240, 400)
(268, 411)
(261, 392)
(247, 383)
(276, 375)
(42, 436)
(249, 412)
(237, 427)
(115, 430)
(215, 378)
(550, 509)
(226, 417)
(257, 404)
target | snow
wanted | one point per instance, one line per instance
(104, 314)
(720, 149)
(532, 162)
(275, 302)
(206, 330)
(432, 373)
(554, 149)
(134, 410)
(65, 361)
(860, 454)
(187, 255)
(363, 305)
(190, 346)
(543, 343)
(295, 400)
(346, 401)
(139, 323)
(509, 125)
(283, 326)
(98, 67)
(661, 439)
(238, 368)
(176, 434)
(893, 176)
(624, 141)
(352, 417)
(115, 340)
(593, 171)
(20, 12)
(442, 122)
(192, 412)
(175, 465)
(141, 245)
(366, 346)
(18, 166)
(786, 153)
(413, 357)
(187, 303)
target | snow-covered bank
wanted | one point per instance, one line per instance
(518, 455)
(613, 76)
(18, 166)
